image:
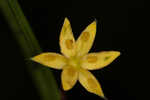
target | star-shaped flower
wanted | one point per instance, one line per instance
(75, 61)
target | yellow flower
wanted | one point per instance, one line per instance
(75, 61)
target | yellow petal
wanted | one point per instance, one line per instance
(69, 77)
(99, 60)
(52, 60)
(67, 41)
(85, 40)
(89, 82)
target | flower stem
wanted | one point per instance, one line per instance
(22, 32)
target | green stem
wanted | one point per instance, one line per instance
(42, 78)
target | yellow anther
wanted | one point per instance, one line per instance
(92, 83)
(49, 57)
(85, 36)
(69, 44)
(92, 59)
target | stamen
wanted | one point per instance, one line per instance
(85, 36)
(49, 57)
(92, 59)
(71, 72)
(69, 44)
(91, 83)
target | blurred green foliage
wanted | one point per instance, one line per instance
(22, 32)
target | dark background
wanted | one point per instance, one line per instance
(122, 26)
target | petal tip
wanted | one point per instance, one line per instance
(36, 58)
(94, 23)
(105, 98)
(33, 58)
(101, 94)
(66, 20)
(66, 89)
(117, 53)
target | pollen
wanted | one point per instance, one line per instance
(85, 36)
(69, 44)
(92, 59)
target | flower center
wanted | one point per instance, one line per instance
(74, 62)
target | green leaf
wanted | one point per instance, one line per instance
(43, 79)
